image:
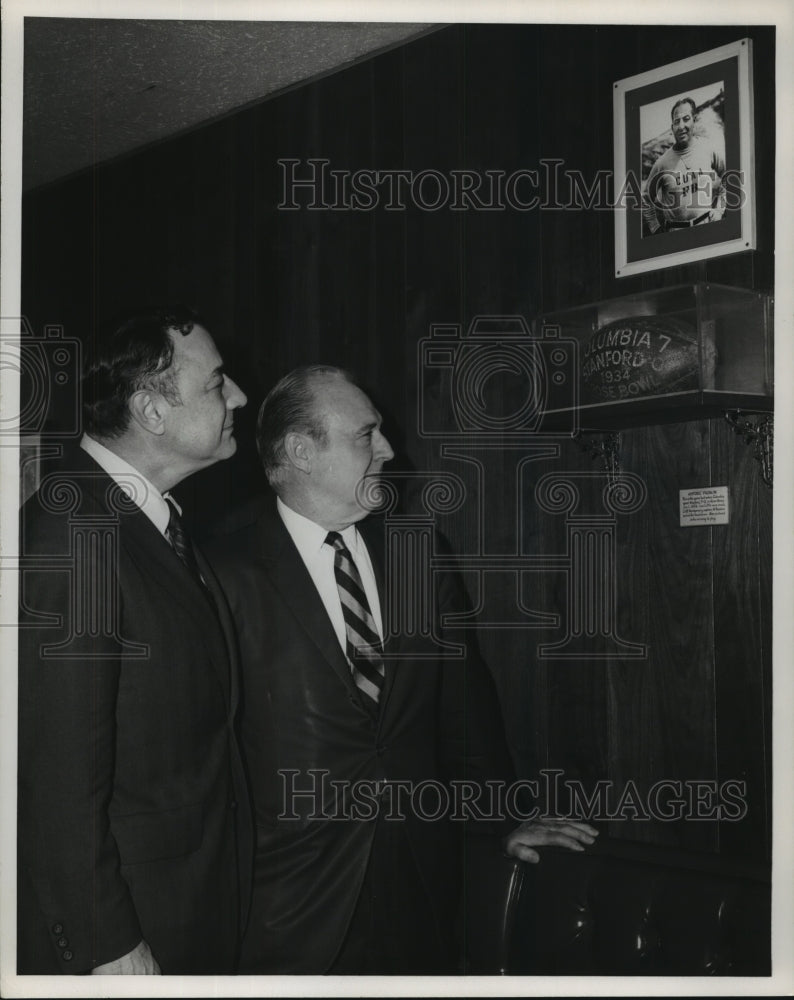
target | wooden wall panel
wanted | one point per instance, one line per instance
(635, 727)
(681, 613)
(740, 576)
(764, 655)
(569, 712)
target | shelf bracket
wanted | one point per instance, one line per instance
(603, 446)
(757, 429)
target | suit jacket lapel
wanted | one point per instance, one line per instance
(145, 546)
(281, 561)
(231, 686)
(183, 588)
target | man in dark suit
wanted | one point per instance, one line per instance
(132, 800)
(352, 872)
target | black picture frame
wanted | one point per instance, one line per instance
(658, 226)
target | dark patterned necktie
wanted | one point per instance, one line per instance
(181, 544)
(363, 646)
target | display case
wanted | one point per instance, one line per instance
(670, 354)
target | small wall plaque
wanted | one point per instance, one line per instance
(708, 505)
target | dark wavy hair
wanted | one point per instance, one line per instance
(133, 351)
(685, 100)
(291, 406)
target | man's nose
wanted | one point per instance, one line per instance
(383, 449)
(235, 396)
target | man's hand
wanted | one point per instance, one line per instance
(547, 833)
(138, 962)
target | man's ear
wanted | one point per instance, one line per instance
(299, 449)
(147, 409)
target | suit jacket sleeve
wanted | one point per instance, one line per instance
(74, 905)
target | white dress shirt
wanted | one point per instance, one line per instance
(137, 487)
(309, 539)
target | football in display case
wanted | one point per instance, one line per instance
(670, 354)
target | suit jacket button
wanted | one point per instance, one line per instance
(380, 749)
(57, 928)
(63, 942)
(67, 956)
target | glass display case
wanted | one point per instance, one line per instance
(670, 354)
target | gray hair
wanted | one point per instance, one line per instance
(291, 407)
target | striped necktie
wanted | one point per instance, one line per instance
(363, 647)
(181, 543)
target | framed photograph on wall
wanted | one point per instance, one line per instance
(684, 161)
